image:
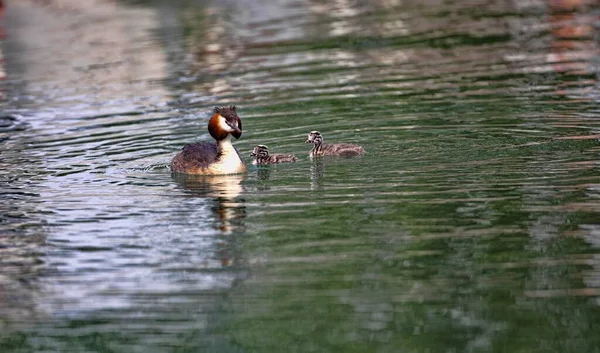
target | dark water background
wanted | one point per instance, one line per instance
(472, 224)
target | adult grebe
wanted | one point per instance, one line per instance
(209, 158)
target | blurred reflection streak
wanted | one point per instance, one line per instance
(343, 13)
(20, 267)
(20, 237)
(355, 18)
(228, 207)
(570, 46)
(218, 47)
(570, 49)
(220, 32)
(591, 277)
(317, 168)
(2, 69)
(111, 59)
(212, 44)
(573, 47)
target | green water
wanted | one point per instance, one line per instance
(470, 224)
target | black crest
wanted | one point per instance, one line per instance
(224, 111)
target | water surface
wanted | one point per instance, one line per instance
(470, 225)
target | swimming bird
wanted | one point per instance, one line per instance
(261, 156)
(331, 149)
(213, 158)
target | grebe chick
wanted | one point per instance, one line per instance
(331, 149)
(261, 156)
(209, 158)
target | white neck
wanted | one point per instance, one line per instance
(229, 160)
(225, 146)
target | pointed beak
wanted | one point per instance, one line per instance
(307, 141)
(252, 154)
(236, 131)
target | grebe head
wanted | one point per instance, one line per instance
(315, 138)
(260, 151)
(225, 121)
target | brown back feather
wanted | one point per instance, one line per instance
(341, 149)
(195, 155)
(281, 158)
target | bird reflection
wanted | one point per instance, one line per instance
(316, 174)
(263, 173)
(228, 207)
(224, 189)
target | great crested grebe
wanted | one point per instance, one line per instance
(209, 158)
(331, 149)
(261, 156)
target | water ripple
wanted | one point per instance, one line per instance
(474, 205)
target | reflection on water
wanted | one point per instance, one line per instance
(471, 224)
(225, 190)
(21, 263)
(316, 174)
(263, 173)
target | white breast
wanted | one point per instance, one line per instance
(229, 162)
